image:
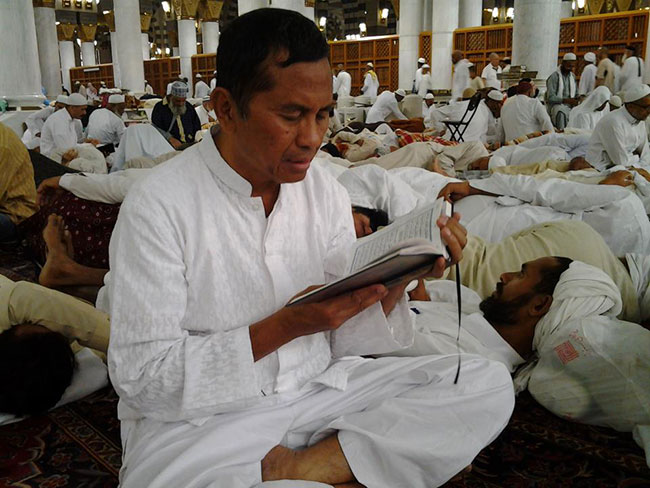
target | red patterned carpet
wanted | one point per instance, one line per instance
(78, 446)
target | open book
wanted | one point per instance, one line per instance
(407, 247)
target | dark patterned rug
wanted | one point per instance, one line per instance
(78, 445)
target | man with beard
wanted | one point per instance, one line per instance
(175, 118)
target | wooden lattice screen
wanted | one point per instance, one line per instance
(93, 74)
(578, 35)
(159, 72)
(383, 52)
(425, 45)
(205, 64)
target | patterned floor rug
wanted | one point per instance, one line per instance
(78, 446)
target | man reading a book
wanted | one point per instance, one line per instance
(220, 383)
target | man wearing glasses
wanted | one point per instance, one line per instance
(620, 138)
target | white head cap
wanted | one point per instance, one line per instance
(590, 57)
(422, 60)
(428, 96)
(496, 161)
(116, 99)
(400, 92)
(370, 65)
(76, 100)
(636, 93)
(180, 89)
(426, 66)
(569, 57)
(495, 95)
(62, 99)
(616, 101)
(198, 75)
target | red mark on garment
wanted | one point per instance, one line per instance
(566, 352)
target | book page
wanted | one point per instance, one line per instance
(420, 224)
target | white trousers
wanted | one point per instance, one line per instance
(401, 423)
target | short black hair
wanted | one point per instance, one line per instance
(35, 370)
(378, 218)
(250, 40)
(512, 91)
(631, 48)
(551, 276)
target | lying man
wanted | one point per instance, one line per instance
(248, 389)
(559, 316)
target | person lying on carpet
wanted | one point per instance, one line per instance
(40, 334)
(559, 317)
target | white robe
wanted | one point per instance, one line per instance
(201, 89)
(385, 108)
(140, 140)
(587, 79)
(631, 73)
(180, 349)
(105, 126)
(36, 120)
(489, 74)
(60, 131)
(460, 79)
(343, 84)
(586, 115)
(370, 85)
(522, 115)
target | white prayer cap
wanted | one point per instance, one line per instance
(636, 93)
(180, 89)
(400, 92)
(569, 57)
(496, 161)
(426, 66)
(428, 96)
(62, 99)
(495, 95)
(116, 99)
(590, 57)
(616, 101)
(206, 99)
(421, 60)
(371, 65)
(198, 75)
(470, 64)
(76, 100)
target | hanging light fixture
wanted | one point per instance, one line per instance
(495, 14)
(510, 14)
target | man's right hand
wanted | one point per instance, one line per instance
(295, 321)
(455, 191)
(47, 190)
(620, 178)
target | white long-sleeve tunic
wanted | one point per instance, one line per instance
(60, 131)
(195, 261)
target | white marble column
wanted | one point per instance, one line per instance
(646, 58)
(410, 20)
(187, 48)
(66, 51)
(443, 24)
(117, 80)
(426, 15)
(20, 74)
(295, 5)
(146, 48)
(127, 30)
(536, 35)
(48, 52)
(244, 6)
(210, 36)
(470, 13)
(88, 54)
(567, 10)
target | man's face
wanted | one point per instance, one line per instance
(568, 66)
(494, 106)
(178, 101)
(58, 106)
(639, 109)
(472, 74)
(494, 61)
(361, 224)
(429, 102)
(455, 57)
(76, 111)
(514, 291)
(399, 98)
(284, 126)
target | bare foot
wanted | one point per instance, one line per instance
(59, 246)
(277, 464)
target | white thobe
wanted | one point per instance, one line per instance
(495, 132)
(425, 85)
(60, 131)
(489, 74)
(587, 79)
(574, 144)
(105, 126)
(370, 85)
(522, 115)
(417, 79)
(385, 108)
(460, 79)
(213, 83)
(204, 115)
(201, 89)
(631, 73)
(36, 120)
(343, 84)
(104, 188)
(619, 139)
(180, 345)
(478, 127)
(148, 89)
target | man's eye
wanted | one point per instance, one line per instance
(291, 117)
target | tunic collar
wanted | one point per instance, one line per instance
(220, 168)
(628, 116)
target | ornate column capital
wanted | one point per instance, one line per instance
(395, 8)
(210, 10)
(310, 3)
(624, 5)
(185, 9)
(65, 32)
(109, 18)
(87, 32)
(44, 3)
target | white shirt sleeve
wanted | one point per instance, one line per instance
(543, 118)
(109, 188)
(367, 81)
(394, 109)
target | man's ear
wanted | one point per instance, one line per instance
(224, 107)
(540, 305)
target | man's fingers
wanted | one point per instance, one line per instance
(350, 304)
